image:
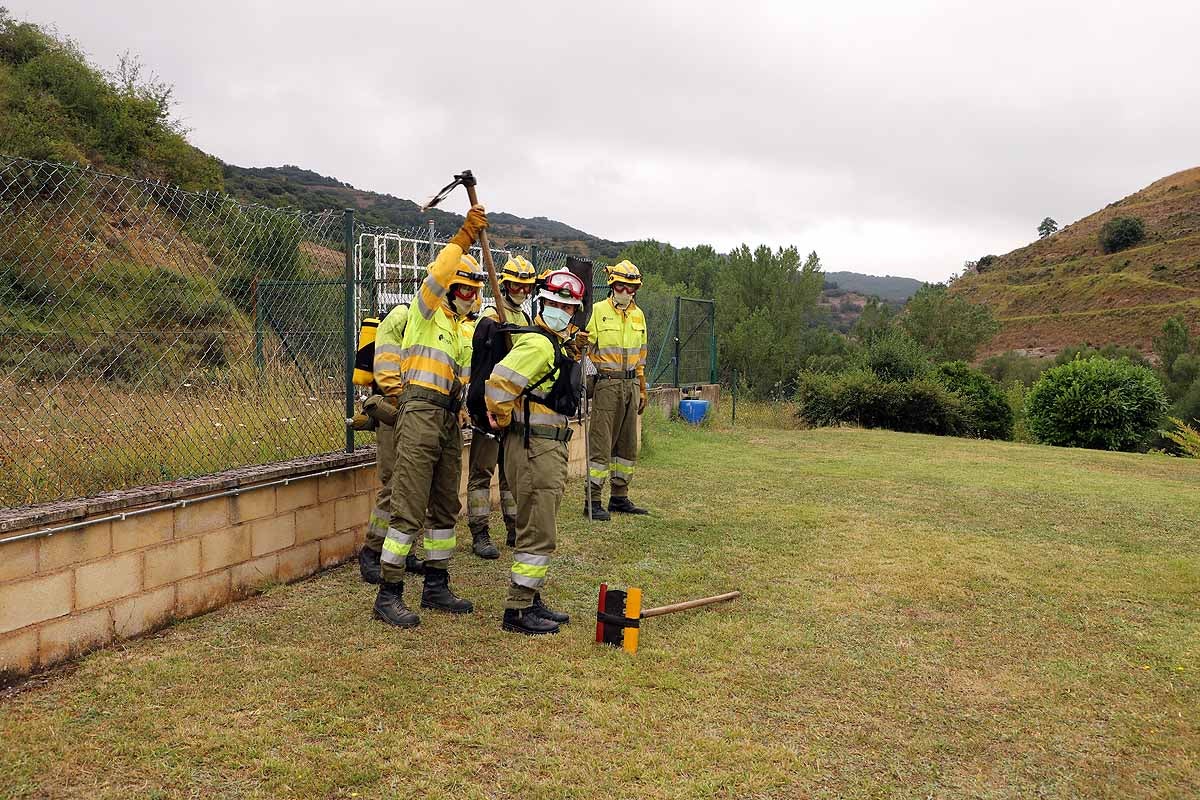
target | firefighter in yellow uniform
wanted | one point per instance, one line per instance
(535, 450)
(618, 350)
(387, 385)
(435, 364)
(516, 282)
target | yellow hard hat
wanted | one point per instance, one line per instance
(468, 273)
(518, 270)
(625, 272)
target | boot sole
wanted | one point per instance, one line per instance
(517, 629)
(631, 513)
(489, 557)
(432, 607)
(386, 621)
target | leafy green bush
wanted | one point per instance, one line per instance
(894, 356)
(1096, 402)
(1121, 232)
(1112, 352)
(985, 409)
(860, 397)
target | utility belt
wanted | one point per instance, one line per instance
(451, 403)
(543, 432)
(617, 374)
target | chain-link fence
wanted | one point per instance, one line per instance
(148, 333)
(130, 353)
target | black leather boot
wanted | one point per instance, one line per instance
(414, 565)
(557, 617)
(389, 606)
(527, 621)
(598, 512)
(623, 505)
(436, 594)
(481, 545)
(510, 525)
(368, 564)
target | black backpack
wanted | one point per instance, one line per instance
(490, 346)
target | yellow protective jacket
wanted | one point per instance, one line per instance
(618, 339)
(388, 338)
(530, 360)
(436, 349)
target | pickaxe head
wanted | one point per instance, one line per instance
(464, 178)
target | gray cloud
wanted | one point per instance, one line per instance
(899, 138)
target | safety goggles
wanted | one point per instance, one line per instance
(624, 288)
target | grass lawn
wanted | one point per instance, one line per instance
(921, 617)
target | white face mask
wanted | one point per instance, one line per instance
(555, 318)
(461, 307)
(622, 299)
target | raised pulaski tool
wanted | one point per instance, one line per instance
(619, 614)
(466, 179)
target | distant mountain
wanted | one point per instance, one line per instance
(885, 287)
(301, 188)
(845, 293)
(1064, 289)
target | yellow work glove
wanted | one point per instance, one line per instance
(642, 393)
(464, 417)
(474, 224)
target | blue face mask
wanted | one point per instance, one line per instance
(555, 318)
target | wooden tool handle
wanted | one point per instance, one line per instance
(684, 606)
(487, 260)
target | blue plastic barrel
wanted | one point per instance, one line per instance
(694, 411)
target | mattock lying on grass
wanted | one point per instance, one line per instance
(619, 614)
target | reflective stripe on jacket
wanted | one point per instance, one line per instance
(436, 350)
(388, 339)
(618, 337)
(530, 360)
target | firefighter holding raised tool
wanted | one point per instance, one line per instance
(617, 330)
(516, 282)
(530, 394)
(435, 363)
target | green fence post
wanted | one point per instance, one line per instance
(533, 257)
(678, 303)
(259, 333)
(712, 343)
(348, 322)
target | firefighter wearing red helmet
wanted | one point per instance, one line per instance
(521, 400)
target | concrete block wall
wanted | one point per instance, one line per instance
(68, 593)
(65, 594)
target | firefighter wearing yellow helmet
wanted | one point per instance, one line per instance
(617, 331)
(435, 365)
(516, 282)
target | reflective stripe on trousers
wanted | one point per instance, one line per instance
(439, 544)
(396, 546)
(529, 570)
(479, 502)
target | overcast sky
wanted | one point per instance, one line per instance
(897, 138)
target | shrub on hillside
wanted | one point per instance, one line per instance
(1096, 402)
(894, 356)
(985, 409)
(860, 397)
(1185, 437)
(1112, 352)
(1121, 232)
(1010, 366)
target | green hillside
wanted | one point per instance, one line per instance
(300, 188)
(1065, 289)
